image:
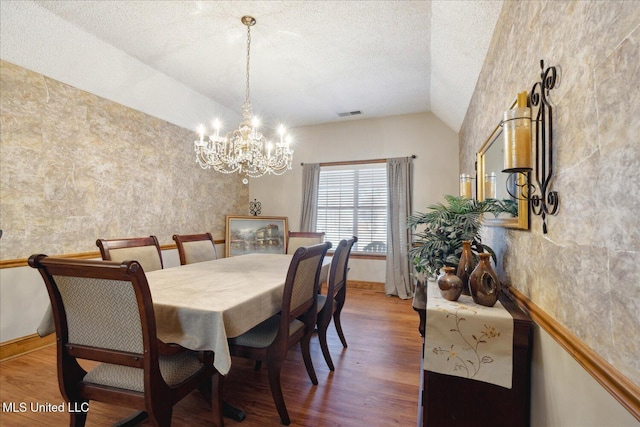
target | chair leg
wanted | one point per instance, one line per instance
(160, 409)
(78, 419)
(274, 367)
(322, 337)
(162, 420)
(132, 420)
(336, 321)
(306, 356)
(340, 298)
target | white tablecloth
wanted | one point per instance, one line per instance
(468, 340)
(200, 305)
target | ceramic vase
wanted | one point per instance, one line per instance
(483, 282)
(465, 266)
(450, 285)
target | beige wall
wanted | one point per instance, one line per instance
(563, 394)
(435, 167)
(76, 167)
(586, 271)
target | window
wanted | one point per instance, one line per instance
(352, 201)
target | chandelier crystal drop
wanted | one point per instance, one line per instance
(244, 150)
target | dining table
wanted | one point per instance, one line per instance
(201, 305)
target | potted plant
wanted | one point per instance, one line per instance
(440, 232)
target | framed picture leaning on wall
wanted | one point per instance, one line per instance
(256, 234)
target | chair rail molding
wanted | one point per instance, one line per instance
(618, 385)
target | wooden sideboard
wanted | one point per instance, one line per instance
(451, 401)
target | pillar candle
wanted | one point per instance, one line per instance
(517, 140)
(490, 186)
(465, 186)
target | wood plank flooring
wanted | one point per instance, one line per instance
(375, 383)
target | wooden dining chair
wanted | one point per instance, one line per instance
(270, 340)
(103, 312)
(330, 305)
(145, 250)
(195, 247)
(297, 239)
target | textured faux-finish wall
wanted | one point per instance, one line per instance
(75, 167)
(586, 271)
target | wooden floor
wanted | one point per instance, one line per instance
(375, 383)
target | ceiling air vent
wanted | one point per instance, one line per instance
(350, 113)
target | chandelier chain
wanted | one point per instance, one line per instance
(247, 91)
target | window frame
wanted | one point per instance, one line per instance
(359, 165)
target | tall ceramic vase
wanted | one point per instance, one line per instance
(465, 267)
(483, 282)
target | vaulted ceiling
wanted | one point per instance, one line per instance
(310, 60)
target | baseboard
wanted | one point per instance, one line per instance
(23, 345)
(619, 386)
(360, 284)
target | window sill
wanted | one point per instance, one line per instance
(364, 255)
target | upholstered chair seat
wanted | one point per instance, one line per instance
(264, 334)
(174, 369)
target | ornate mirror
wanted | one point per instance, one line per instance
(491, 182)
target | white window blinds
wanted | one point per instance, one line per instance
(352, 201)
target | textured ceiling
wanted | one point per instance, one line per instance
(310, 60)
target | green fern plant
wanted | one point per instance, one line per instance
(440, 231)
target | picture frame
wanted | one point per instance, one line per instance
(256, 234)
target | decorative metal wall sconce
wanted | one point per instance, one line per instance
(517, 152)
(255, 207)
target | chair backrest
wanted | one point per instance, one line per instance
(195, 247)
(301, 285)
(339, 267)
(102, 312)
(298, 239)
(376, 246)
(145, 250)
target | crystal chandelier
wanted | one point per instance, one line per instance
(244, 150)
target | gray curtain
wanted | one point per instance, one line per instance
(310, 178)
(400, 187)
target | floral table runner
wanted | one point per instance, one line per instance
(468, 340)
